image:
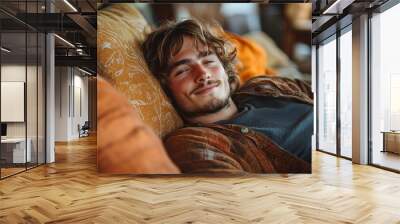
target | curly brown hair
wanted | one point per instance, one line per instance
(162, 44)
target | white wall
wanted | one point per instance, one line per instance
(80, 104)
(61, 103)
(71, 94)
(12, 73)
(33, 126)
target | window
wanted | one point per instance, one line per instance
(385, 86)
(22, 67)
(346, 94)
(327, 96)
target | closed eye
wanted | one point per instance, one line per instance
(208, 62)
(181, 71)
(210, 59)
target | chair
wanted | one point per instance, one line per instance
(84, 130)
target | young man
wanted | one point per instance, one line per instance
(264, 127)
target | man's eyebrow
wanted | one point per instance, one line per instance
(203, 54)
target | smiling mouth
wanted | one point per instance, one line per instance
(205, 89)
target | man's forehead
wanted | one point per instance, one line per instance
(190, 50)
(192, 42)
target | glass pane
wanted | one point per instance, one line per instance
(346, 94)
(41, 98)
(327, 97)
(385, 89)
(13, 86)
(31, 97)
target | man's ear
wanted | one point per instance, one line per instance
(234, 83)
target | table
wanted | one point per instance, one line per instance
(13, 150)
(391, 141)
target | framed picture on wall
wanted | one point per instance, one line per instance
(12, 101)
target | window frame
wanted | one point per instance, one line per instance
(378, 10)
(333, 37)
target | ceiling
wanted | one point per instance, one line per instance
(332, 15)
(73, 20)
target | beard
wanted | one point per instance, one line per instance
(211, 107)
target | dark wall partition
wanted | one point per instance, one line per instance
(22, 88)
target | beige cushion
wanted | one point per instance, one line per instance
(121, 30)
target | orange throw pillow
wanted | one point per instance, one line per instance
(125, 145)
(252, 58)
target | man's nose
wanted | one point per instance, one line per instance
(201, 74)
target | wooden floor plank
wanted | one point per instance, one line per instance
(71, 191)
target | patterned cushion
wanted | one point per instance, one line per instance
(121, 30)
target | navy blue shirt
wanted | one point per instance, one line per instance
(288, 123)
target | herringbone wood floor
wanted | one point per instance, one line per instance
(71, 191)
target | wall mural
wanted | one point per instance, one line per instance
(199, 94)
